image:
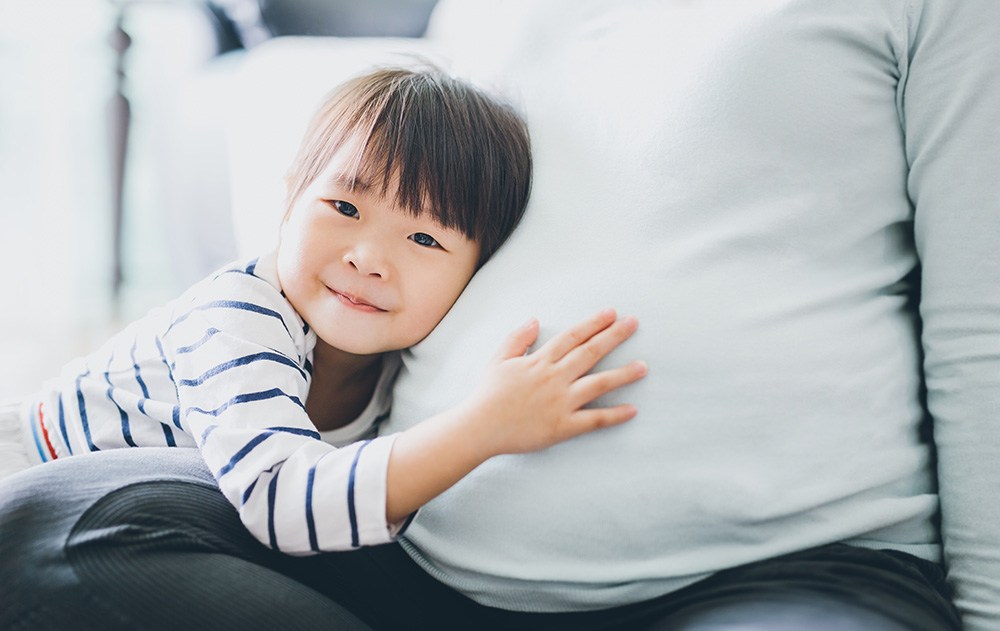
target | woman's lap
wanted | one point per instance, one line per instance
(143, 539)
(140, 539)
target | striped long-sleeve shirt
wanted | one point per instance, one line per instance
(226, 368)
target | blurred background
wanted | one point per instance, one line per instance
(112, 147)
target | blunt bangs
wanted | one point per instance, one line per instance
(449, 150)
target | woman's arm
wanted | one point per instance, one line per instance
(950, 102)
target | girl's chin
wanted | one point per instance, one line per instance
(351, 336)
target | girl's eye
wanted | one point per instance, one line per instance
(424, 239)
(346, 209)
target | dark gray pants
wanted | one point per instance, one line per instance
(142, 539)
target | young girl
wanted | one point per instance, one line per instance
(405, 184)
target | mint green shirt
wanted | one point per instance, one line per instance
(759, 183)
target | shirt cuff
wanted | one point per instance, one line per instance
(369, 495)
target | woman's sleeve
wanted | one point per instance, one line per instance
(240, 366)
(950, 105)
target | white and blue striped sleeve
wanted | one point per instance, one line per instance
(240, 366)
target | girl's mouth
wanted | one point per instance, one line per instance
(355, 302)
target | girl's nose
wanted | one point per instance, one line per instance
(367, 261)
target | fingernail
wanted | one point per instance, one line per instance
(641, 367)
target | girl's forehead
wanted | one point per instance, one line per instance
(355, 165)
(342, 180)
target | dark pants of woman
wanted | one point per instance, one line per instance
(143, 539)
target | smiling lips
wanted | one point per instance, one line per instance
(355, 303)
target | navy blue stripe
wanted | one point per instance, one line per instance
(208, 335)
(256, 440)
(175, 414)
(272, 491)
(253, 485)
(230, 304)
(126, 429)
(242, 361)
(351, 511)
(310, 522)
(252, 266)
(208, 430)
(138, 375)
(300, 431)
(245, 398)
(246, 493)
(242, 453)
(168, 435)
(83, 412)
(62, 425)
(163, 356)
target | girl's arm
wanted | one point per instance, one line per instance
(238, 354)
(242, 380)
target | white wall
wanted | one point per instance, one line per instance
(56, 75)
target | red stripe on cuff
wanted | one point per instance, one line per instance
(45, 432)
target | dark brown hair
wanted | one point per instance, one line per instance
(455, 152)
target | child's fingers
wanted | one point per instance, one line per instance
(556, 348)
(519, 341)
(590, 387)
(596, 418)
(585, 356)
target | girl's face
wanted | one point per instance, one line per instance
(364, 274)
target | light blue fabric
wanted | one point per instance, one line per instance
(756, 184)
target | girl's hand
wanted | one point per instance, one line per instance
(529, 401)
(526, 402)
